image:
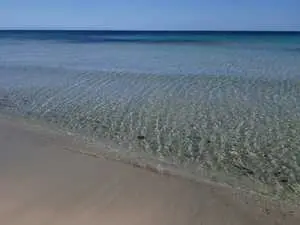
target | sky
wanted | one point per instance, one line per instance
(151, 14)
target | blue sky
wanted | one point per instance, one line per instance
(151, 14)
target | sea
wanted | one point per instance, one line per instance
(223, 102)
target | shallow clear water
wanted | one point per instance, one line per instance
(224, 102)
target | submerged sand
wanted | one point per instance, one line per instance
(41, 183)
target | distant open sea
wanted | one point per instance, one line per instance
(221, 102)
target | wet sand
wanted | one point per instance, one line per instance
(42, 183)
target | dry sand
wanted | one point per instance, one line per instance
(40, 183)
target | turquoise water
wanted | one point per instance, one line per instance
(221, 101)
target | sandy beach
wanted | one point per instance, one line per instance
(41, 183)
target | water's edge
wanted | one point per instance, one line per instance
(244, 189)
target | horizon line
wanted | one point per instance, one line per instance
(139, 30)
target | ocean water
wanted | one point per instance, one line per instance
(225, 102)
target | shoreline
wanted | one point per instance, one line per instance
(108, 150)
(42, 181)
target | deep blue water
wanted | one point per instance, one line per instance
(152, 36)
